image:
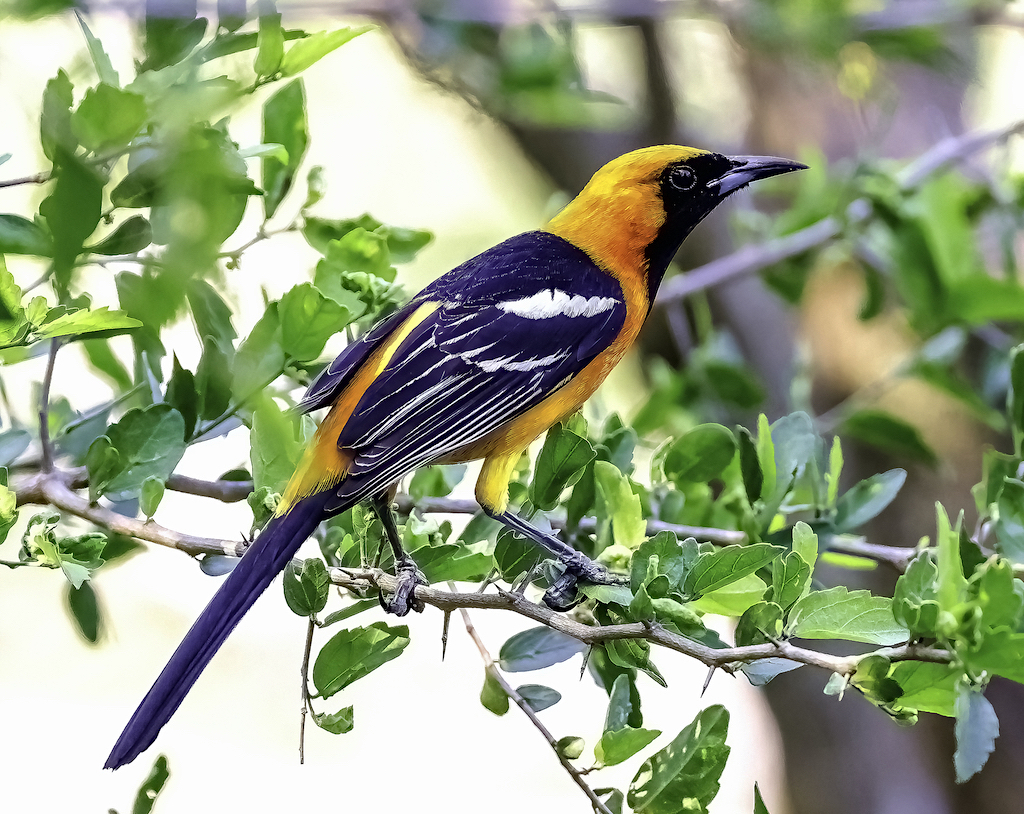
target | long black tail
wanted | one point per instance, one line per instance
(266, 557)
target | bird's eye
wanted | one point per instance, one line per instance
(683, 178)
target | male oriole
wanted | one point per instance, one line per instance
(477, 365)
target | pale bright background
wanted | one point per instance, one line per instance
(412, 155)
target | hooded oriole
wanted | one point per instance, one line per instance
(477, 365)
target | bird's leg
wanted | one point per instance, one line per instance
(561, 595)
(408, 576)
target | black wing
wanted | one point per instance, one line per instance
(511, 326)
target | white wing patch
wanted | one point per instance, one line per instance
(556, 303)
(521, 365)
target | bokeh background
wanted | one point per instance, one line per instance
(468, 118)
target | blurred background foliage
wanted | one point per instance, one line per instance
(879, 296)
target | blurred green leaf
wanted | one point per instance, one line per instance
(621, 744)
(151, 786)
(130, 236)
(270, 45)
(85, 611)
(435, 481)
(101, 62)
(538, 697)
(55, 122)
(284, 123)
(277, 445)
(867, 499)
(108, 117)
(150, 495)
(19, 235)
(72, 211)
(306, 52)
(889, 434)
(261, 357)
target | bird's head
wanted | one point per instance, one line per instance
(636, 210)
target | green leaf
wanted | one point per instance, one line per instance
(435, 481)
(766, 457)
(620, 505)
(976, 731)
(570, 747)
(8, 506)
(276, 445)
(1000, 653)
(151, 786)
(759, 806)
(1009, 522)
(150, 495)
(700, 455)
(760, 623)
(306, 589)
(305, 52)
(19, 235)
(104, 69)
(493, 696)
(352, 654)
(559, 465)
(337, 723)
(805, 543)
(72, 211)
(635, 654)
(835, 468)
(716, 569)
(867, 499)
(795, 443)
(750, 465)
(181, 395)
(621, 744)
(148, 443)
(85, 611)
(620, 704)
(88, 321)
(211, 314)
(12, 444)
(734, 599)
(889, 434)
(538, 697)
(130, 236)
(270, 46)
(260, 358)
(684, 776)
(213, 381)
(928, 687)
(673, 559)
(308, 320)
(108, 117)
(915, 598)
(837, 613)
(537, 648)
(346, 613)
(284, 123)
(55, 122)
(514, 555)
(791, 579)
(450, 561)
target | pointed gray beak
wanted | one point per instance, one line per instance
(748, 168)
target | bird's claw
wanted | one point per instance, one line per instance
(403, 600)
(562, 594)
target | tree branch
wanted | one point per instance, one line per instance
(55, 489)
(753, 258)
(728, 659)
(492, 670)
(46, 448)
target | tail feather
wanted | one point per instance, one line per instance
(266, 557)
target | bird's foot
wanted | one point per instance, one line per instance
(403, 600)
(562, 594)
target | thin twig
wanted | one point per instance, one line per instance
(305, 690)
(495, 674)
(38, 178)
(44, 408)
(753, 258)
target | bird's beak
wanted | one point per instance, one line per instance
(748, 168)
